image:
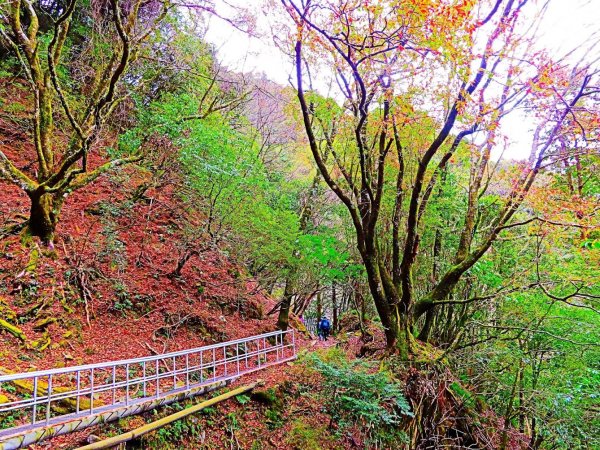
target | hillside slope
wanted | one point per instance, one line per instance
(104, 291)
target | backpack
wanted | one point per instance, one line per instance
(325, 325)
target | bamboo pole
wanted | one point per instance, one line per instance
(116, 440)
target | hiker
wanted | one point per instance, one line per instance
(323, 328)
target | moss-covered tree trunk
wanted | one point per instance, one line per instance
(334, 306)
(283, 319)
(43, 216)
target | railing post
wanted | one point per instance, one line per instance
(281, 345)
(91, 391)
(187, 370)
(157, 380)
(144, 378)
(258, 351)
(35, 394)
(114, 384)
(201, 367)
(174, 374)
(49, 392)
(127, 384)
(78, 382)
(214, 361)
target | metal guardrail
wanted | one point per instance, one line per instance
(311, 325)
(47, 397)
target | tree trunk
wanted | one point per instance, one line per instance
(43, 216)
(389, 323)
(319, 305)
(181, 262)
(334, 305)
(431, 313)
(283, 319)
(363, 305)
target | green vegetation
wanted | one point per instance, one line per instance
(357, 394)
(381, 203)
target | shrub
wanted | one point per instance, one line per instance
(356, 394)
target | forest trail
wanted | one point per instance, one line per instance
(317, 344)
(427, 180)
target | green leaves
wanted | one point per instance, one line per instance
(328, 256)
(357, 393)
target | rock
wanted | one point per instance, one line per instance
(265, 396)
(93, 438)
(350, 322)
(12, 329)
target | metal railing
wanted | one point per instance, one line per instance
(45, 397)
(311, 325)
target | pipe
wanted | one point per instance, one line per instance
(115, 440)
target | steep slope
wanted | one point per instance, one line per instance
(105, 291)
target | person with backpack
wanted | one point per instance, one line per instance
(323, 329)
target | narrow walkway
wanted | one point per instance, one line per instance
(316, 343)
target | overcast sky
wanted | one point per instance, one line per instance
(567, 25)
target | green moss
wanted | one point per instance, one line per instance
(306, 436)
(34, 257)
(44, 323)
(12, 329)
(6, 312)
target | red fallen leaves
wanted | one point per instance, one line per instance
(149, 251)
(146, 246)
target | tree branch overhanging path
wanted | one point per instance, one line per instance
(386, 59)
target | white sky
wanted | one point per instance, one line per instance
(567, 25)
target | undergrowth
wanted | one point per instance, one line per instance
(358, 395)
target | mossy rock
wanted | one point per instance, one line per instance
(35, 310)
(349, 322)
(306, 436)
(44, 323)
(295, 323)
(42, 344)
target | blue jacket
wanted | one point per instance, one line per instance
(324, 324)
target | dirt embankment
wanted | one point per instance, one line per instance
(104, 291)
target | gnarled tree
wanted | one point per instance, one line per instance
(41, 36)
(419, 80)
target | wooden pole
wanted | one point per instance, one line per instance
(116, 440)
